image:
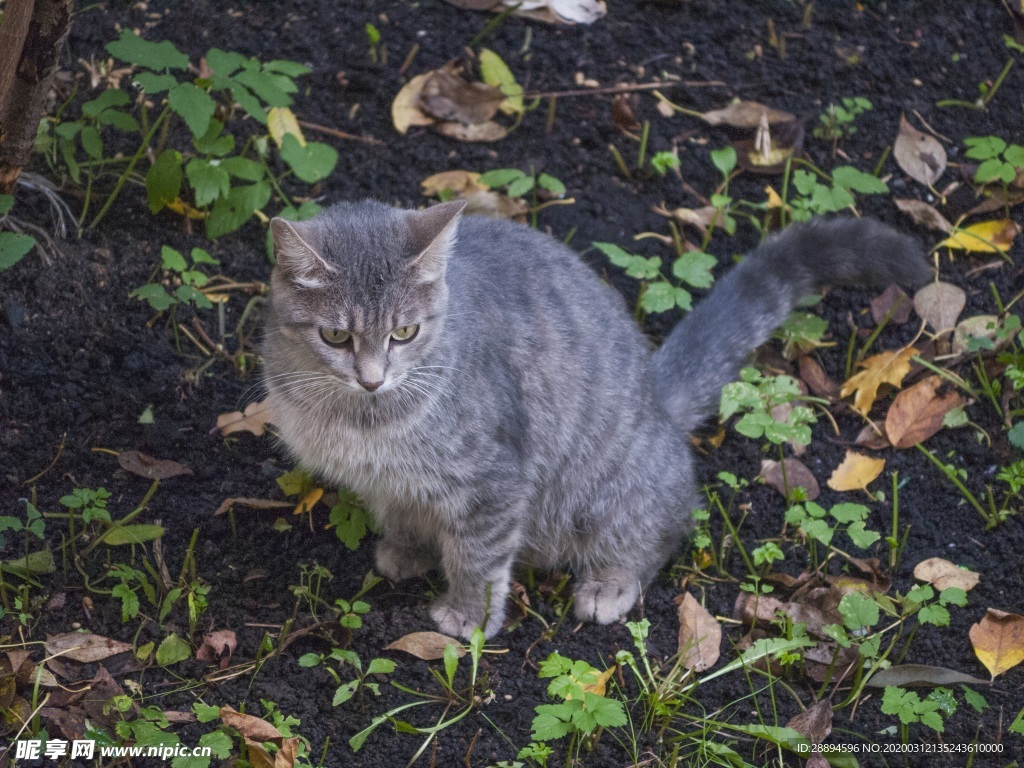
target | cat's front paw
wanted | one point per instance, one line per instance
(459, 621)
(607, 597)
(397, 562)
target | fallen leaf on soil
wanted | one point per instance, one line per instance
(281, 122)
(814, 723)
(814, 376)
(916, 414)
(977, 327)
(218, 647)
(940, 304)
(750, 608)
(250, 726)
(448, 96)
(892, 300)
(942, 574)
(308, 501)
(103, 689)
(558, 11)
(856, 472)
(920, 156)
(405, 110)
(745, 114)
(924, 215)
(135, 533)
(984, 237)
(253, 419)
(700, 636)
(454, 182)
(998, 640)
(797, 475)
(883, 368)
(426, 645)
(227, 504)
(906, 675)
(480, 199)
(623, 116)
(700, 218)
(489, 131)
(84, 647)
(600, 684)
(873, 436)
(139, 463)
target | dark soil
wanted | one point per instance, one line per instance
(80, 361)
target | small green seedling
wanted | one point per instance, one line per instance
(349, 689)
(814, 198)
(756, 395)
(999, 160)
(184, 280)
(580, 712)
(378, 53)
(519, 184)
(663, 162)
(837, 122)
(658, 293)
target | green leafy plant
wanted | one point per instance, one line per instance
(999, 160)
(663, 162)
(185, 281)
(347, 690)
(755, 396)
(13, 245)
(208, 180)
(657, 292)
(837, 122)
(815, 198)
(581, 712)
(517, 183)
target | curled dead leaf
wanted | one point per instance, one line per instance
(872, 436)
(917, 412)
(924, 215)
(700, 635)
(141, 464)
(218, 647)
(405, 110)
(943, 574)
(426, 645)
(920, 156)
(856, 472)
(448, 96)
(984, 237)
(746, 114)
(814, 723)
(84, 647)
(250, 726)
(817, 381)
(998, 640)
(940, 304)
(253, 419)
(892, 302)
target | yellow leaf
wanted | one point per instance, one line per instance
(182, 208)
(884, 368)
(985, 237)
(998, 641)
(773, 201)
(456, 182)
(280, 122)
(405, 110)
(308, 501)
(856, 471)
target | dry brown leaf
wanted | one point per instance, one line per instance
(892, 300)
(700, 636)
(797, 475)
(700, 218)
(940, 304)
(924, 215)
(250, 726)
(750, 608)
(873, 436)
(921, 156)
(942, 574)
(253, 419)
(455, 182)
(218, 647)
(814, 376)
(746, 114)
(883, 368)
(243, 501)
(856, 472)
(916, 414)
(139, 463)
(907, 675)
(984, 237)
(405, 110)
(480, 200)
(489, 131)
(426, 645)
(998, 641)
(814, 723)
(623, 116)
(448, 96)
(84, 647)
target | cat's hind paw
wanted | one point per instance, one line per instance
(397, 562)
(606, 597)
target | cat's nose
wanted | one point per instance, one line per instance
(370, 386)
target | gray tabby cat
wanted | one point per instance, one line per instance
(493, 403)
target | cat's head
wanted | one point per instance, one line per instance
(359, 291)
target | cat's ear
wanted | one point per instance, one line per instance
(295, 255)
(432, 235)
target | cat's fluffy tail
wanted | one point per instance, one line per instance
(707, 349)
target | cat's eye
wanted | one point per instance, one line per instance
(336, 337)
(405, 333)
